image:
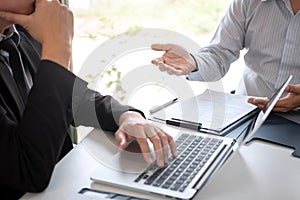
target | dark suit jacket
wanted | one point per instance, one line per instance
(33, 137)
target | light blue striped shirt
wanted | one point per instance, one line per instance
(270, 33)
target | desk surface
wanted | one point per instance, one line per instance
(258, 170)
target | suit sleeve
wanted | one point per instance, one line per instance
(96, 110)
(31, 148)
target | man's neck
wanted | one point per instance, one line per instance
(295, 5)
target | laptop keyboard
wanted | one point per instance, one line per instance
(193, 152)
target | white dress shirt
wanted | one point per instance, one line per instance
(270, 33)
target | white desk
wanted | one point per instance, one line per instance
(258, 171)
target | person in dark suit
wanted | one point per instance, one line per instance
(40, 98)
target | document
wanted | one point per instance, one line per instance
(214, 110)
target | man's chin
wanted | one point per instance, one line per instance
(29, 11)
(25, 10)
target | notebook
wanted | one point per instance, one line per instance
(199, 156)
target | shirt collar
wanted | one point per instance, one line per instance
(11, 32)
(2, 37)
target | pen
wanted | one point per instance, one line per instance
(190, 122)
(192, 126)
(158, 108)
(210, 131)
(187, 124)
(201, 129)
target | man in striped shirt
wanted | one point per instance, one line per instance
(269, 30)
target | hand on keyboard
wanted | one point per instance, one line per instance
(134, 126)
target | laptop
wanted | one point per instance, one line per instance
(199, 157)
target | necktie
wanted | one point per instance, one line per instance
(16, 66)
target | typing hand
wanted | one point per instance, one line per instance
(176, 60)
(285, 104)
(134, 126)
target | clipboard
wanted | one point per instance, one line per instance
(217, 112)
(280, 131)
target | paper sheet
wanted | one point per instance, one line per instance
(215, 110)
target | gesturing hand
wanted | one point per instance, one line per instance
(134, 126)
(176, 60)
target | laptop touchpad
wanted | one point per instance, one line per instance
(131, 160)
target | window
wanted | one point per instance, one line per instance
(101, 21)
